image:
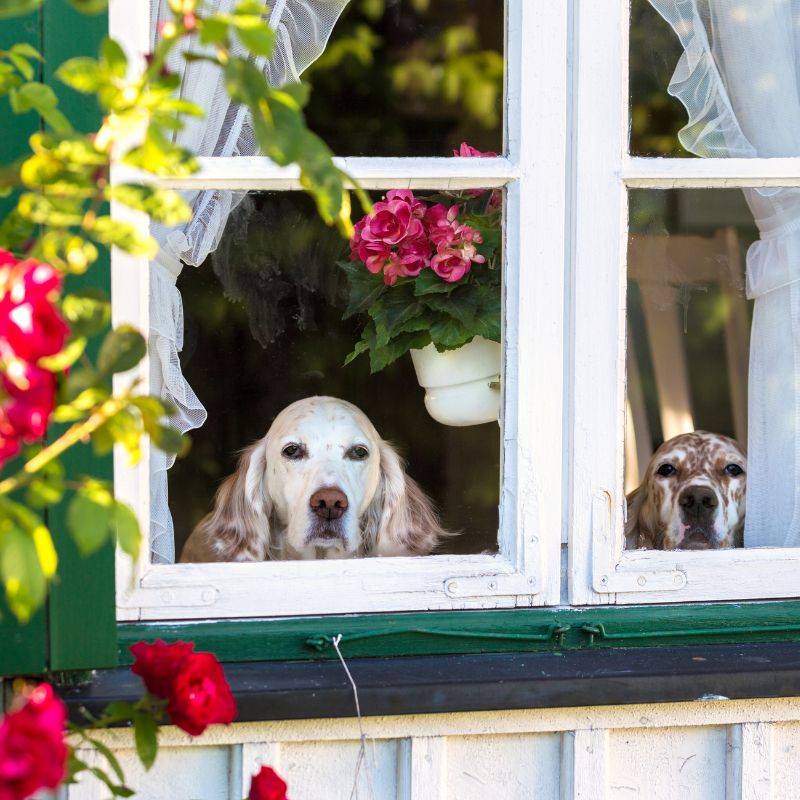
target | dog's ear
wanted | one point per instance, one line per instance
(238, 528)
(401, 519)
(634, 535)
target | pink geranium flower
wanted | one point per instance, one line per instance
(467, 151)
(450, 265)
(392, 221)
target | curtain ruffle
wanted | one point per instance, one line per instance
(302, 29)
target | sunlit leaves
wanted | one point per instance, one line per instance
(16, 8)
(95, 516)
(162, 205)
(39, 97)
(122, 349)
(88, 311)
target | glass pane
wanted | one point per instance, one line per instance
(411, 78)
(656, 116)
(687, 368)
(267, 324)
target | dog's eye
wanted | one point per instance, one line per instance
(733, 470)
(665, 470)
(357, 453)
(292, 451)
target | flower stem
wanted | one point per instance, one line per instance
(75, 434)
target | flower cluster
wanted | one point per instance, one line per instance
(30, 329)
(33, 754)
(403, 236)
(193, 684)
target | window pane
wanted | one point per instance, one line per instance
(656, 116)
(411, 78)
(264, 328)
(687, 366)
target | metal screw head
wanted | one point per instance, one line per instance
(492, 585)
(641, 580)
(604, 579)
(679, 579)
(452, 586)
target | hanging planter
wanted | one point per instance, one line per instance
(462, 387)
(424, 274)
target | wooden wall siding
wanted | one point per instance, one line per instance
(721, 750)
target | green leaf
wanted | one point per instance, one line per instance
(109, 756)
(428, 282)
(126, 526)
(254, 33)
(89, 516)
(77, 382)
(17, 8)
(83, 74)
(33, 96)
(47, 487)
(114, 57)
(392, 310)
(146, 738)
(27, 50)
(127, 237)
(364, 288)
(87, 311)
(213, 31)
(66, 358)
(447, 333)
(167, 439)
(21, 572)
(21, 63)
(380, 357)
(122, 349)
(460, 304)
(361, 347)
(162, 205)
(89, 6)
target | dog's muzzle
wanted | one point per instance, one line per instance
(328, 506)
(698, 509)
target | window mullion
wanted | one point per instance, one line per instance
(724, 173)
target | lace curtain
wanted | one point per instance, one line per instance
(302, 29)
(739, 78)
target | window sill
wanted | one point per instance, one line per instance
(450, 683)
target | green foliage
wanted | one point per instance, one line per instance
(146, 738)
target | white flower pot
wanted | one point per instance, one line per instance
(462, 387)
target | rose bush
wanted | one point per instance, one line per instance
(33, 753)
(426, 270)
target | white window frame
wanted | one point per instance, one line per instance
(600, 570)
(526, 571)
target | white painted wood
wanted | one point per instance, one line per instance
(598, 321)
(785, 753)
(750, 768)
(527, 570)
(718, 173)
(259, 173)
(668, 763)
(512, 767)
(584, 765)
(253, 756)
(422, 768)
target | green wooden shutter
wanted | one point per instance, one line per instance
(77, 629)
(22, 647)
(81, 618)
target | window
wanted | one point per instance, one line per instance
(625, 321)
(683, 229)
(523, 569)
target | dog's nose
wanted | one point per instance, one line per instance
(328, 503)
(698, 501)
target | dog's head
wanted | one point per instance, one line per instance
(692, 496)
(321, 484)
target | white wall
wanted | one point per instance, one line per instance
(717, 750)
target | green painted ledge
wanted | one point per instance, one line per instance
(470, 632)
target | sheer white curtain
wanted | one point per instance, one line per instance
(302, 29)
(739, 78)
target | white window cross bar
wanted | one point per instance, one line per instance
(717, 173)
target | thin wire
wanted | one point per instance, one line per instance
(362, 750)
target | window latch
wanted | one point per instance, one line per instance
(490, 585)
(172, 597)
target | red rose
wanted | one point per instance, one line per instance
(29, 323)
(33, 754)
(9, 438)
(33, 396)
(267, 785)
(200, 695)
(157, 664)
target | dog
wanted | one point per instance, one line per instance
(692, 496)
(320, 484)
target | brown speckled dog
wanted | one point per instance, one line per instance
(692, 496)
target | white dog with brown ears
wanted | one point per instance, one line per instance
(321, 484)
(692, 496)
